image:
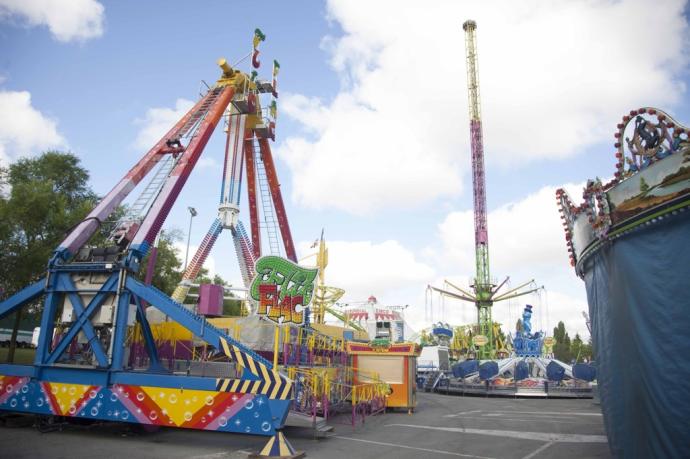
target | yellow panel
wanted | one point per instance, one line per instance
(67, 395)
(224, 322)
(170, 331)
(180, 405)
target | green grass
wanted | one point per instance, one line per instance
(21, 356)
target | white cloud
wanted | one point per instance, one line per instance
(526, 240)
(553, 77)
(68, 20)
(364, 159)
(528, 230)
(158, 121)
(386, 270)
(23, 129)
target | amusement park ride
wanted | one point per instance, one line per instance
(114, 348)
(91, 298)
(529, 369)
(484, 293)
(247, 150)
(326, 297)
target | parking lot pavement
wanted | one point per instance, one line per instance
(442, 427)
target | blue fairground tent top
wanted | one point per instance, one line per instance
(638, 289)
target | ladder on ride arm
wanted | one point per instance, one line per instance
(189, 129)
(270, 222)
(138, 210)
(243, 249)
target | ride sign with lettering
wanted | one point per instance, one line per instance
(282, 289)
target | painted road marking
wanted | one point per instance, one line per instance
(220, 455)
(461, 414)
(535, 413)
(396, 445)
(558, 413)
(538, 450)
(537, 436)
(504, 418)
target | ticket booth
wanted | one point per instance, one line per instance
(396, 364)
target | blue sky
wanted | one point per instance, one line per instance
(372, 139)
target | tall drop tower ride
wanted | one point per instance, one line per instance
(482, 281)
(484, 292)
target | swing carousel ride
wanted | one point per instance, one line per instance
(520, 364)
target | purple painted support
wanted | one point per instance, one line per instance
(114, 198)
(150, 269)
(313, 408)
(151, 266)
(210, 300)
(481, 235)
(326, 406)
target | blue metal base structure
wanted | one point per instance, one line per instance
(256, 403)
(80, 368)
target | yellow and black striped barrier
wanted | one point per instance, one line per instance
(270, 382)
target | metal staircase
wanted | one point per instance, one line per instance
(432, 380)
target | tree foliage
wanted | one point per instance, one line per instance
(561, 350)
(567, 350)
(44, 197)
(644, 186)
(167, 272)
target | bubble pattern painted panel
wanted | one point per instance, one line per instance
(184, 408)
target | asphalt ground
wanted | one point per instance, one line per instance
(443, 426)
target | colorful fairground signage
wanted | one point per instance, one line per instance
(380, 345)
(282, 289)
(479, 340)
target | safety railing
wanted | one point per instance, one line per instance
(329, 391)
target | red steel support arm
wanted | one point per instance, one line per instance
(273, 184)
(251, 193)
(171, 189)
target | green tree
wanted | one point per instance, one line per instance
(167, 271)
(42, 199)
(644, 186)
(587, 351)
(561, 350)
(576, 348)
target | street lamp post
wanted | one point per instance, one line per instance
(192, 214)
(403, 319)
